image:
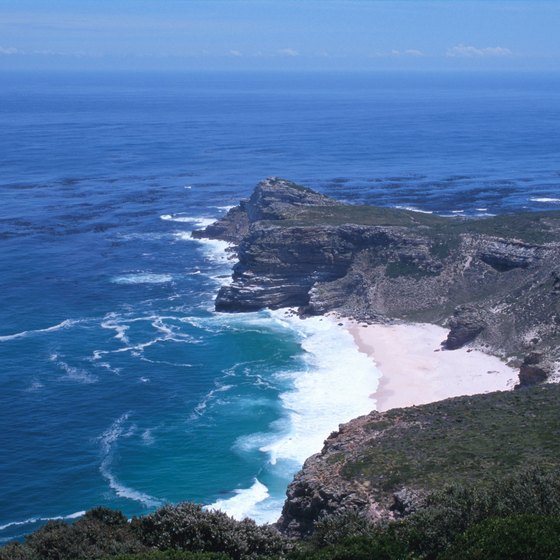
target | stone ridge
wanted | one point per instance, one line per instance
(501, 293)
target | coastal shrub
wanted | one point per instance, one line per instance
(450, 512)
(350, 536)
(171, 555)
(17, 551)
(335, 528)
(520, 537)
(378, 545)
(188, 527)
(100, 532)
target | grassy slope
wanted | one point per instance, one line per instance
(459, 440)
(531, 227)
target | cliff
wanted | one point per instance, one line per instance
(494, 282)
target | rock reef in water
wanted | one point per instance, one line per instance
(494, 282)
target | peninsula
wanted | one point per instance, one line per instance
(493, 282)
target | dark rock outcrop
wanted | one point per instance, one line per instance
(532, 371)
(465, 325)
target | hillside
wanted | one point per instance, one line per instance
(383, 463)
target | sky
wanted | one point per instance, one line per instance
(299, 35)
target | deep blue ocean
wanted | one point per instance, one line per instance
(119, 385)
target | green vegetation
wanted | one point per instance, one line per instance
(458, 440)
(171, 555)
(521, 537)
(182, 532)
(188, 527)
(530, 227)
(100, 532)
(512, 518)
(358, 214)
(403, 267)
(500, 518)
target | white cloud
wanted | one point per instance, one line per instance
(234, 52)
(468, 51)
(412, 52)
(9, 50)
(287, 52)
(395, 53)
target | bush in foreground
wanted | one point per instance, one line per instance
(521, 537)
(100, 532)
(188, 527)
(172, 555)
(452, 511)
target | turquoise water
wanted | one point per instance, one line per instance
(119, 385)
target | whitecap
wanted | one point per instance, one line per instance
(35, 386)
(148, 437)
(201, 407)
(333, 386)
(63, 325)
(108, 441)
(545, 200)
(73, 373)
(414, 209)
(33, 520)
(109, 367)
(198, 221)
(216, 251)
(110, 321)
(243, 503)
(142, 278)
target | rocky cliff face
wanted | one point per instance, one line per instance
(495, 282)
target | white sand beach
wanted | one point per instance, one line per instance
(415, 370)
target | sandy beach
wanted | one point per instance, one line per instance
(415, 370)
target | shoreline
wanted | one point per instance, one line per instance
(415, 369)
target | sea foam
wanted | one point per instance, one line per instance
(199, 222)
(332, 385)
(63, 325)
(142, 278)
(33, 520)
(242, 504)
(108, 442)
(545, 200)
(414, 209)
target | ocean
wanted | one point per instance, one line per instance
(119, 384)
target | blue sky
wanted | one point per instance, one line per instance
(280, 34)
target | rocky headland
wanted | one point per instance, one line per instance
(493, 282)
